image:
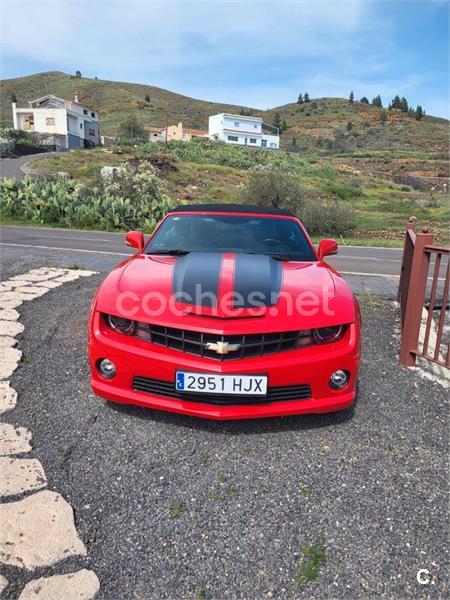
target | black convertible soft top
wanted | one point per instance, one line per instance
(244, 208)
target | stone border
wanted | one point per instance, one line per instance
(38, 528)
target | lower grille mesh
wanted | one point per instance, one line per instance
(274, 394)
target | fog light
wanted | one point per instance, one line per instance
(107, 368)
(339, 379)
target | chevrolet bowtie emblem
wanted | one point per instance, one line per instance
(222, 347)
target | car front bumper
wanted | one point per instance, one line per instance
(307, 366)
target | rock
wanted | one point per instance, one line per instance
(31, 291)
(82, 585)
(12, 328)
(9, 314)
(19, 475)
(14, 440)
(50, 284)
(3, 583)
(8, 397)
(6, 341)
(38, 532)
(10, 303)
(9, 361)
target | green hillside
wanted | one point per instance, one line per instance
(320, 125)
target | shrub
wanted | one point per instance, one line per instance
(133, 200)
(326, 217)
(275, 188)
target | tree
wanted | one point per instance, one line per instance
(77, 73)
(277, 121)
(147, 98)
(13, 97)
(383, 116)
(419, 113)
(306, 97)
(294, 142)
(300, 99)
(351, 98)
(404, 105)
(377, 101)
(396, 102)
(364, 100)
(284, 125)
(131, 130)
(349, 126)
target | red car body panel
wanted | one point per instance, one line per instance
(135, 277)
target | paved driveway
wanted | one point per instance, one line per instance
(178, 508)
(12, 167)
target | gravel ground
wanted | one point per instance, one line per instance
(173, 507)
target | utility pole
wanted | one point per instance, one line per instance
(167, 123)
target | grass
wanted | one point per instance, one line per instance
(303, 492)
(381, 207)
(176, 509)
(312, 558)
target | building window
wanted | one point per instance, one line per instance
(50, 121)
(255, 126)
(81, 125)
(272, 145)
(93, 115)
(263, 143)
(236, 123)
(92, 132)
(84, 111)
(233, 138)
(252, 140)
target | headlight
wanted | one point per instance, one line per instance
(324, 335)
(125, 326)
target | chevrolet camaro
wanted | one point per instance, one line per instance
(226, 312)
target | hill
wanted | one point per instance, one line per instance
(320, 125)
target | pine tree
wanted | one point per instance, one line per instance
(383, 116)
(284, 125)
(377, 101)
(277, 121)
(307, 99)
(349, 126)
(404, 105)
(351, 98)
(77, 73)
(396, 102)
(13, 97)
(300, 99)
(419, 113)
(364, 100)
(294, 141)
(147, 98)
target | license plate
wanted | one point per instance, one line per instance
(251, 385)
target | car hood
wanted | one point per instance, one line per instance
(217, 292)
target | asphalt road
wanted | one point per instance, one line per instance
(350, 259)
(12, 167)
(172, 507)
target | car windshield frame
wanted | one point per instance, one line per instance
(294, 245)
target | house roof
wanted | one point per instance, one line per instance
(150, 128)
(194, 131)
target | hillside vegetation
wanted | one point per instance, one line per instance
(383, 164)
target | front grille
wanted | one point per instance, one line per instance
(274, 394)
(194, 342)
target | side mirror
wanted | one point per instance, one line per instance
(135, 239)
(327, 248)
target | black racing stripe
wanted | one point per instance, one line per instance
(196, 278)
(257, 280)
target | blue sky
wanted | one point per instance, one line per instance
(257, 53)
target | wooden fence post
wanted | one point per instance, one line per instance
(415, 298)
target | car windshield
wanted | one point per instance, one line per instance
(277, 237)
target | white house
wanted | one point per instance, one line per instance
(243, 131)
(65, 124)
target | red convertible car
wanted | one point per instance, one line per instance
(226, 312)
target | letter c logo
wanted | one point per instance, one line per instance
(423, 577)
